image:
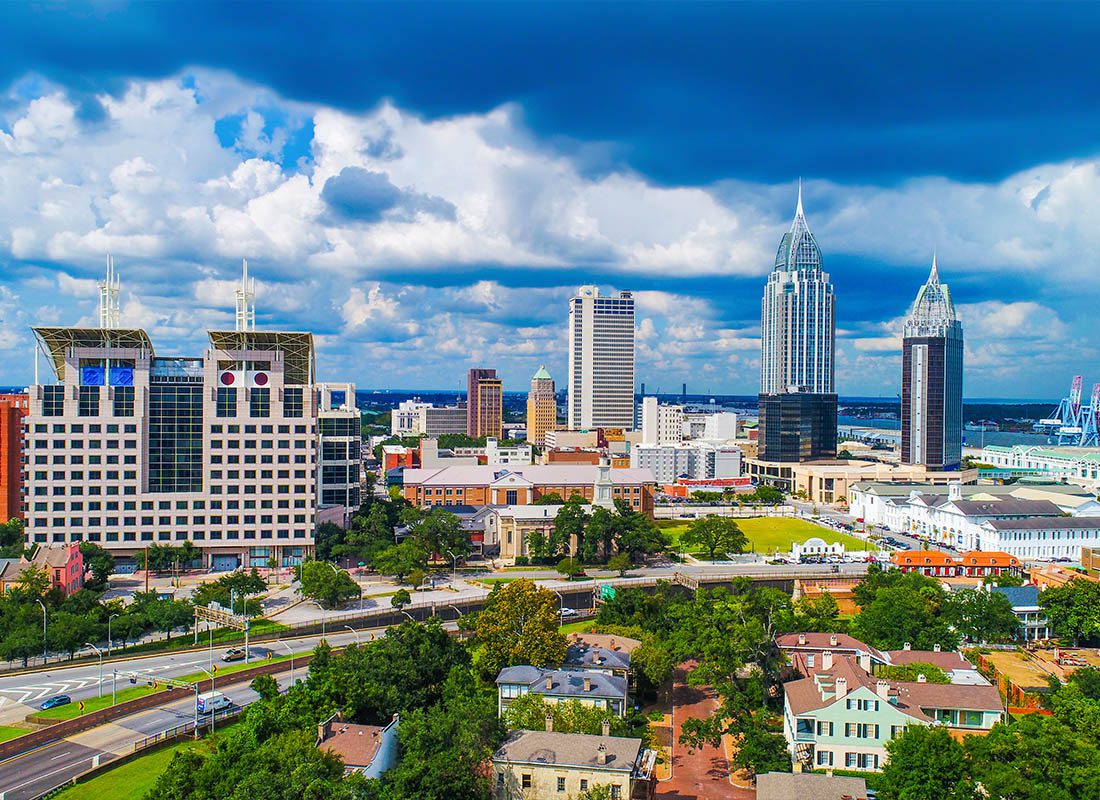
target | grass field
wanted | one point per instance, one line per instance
(584, 626)
(769, 534)
(10, 733)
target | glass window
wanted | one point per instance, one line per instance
(123, 401)
(88, 402)
(53, 401)
(259, 402)
(292, 402)
(226, 401)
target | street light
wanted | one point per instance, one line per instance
(454, 572)
(43, 630)
(109, 632)
(291, 651)
(99, 653)
(211, 675)
(407, 614)
(357, 641)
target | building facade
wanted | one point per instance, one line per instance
(128, 449)
(690, 460)
(601, 360)
(13, 407)
(932, 379)
(484, 403)
(542, 408)
(661, 424)
(797, 338)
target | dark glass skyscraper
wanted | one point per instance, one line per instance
(931, 379)
(797, 336)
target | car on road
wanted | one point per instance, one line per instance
(569, 612)
(55, 701)
(235, 654)
(209, 702)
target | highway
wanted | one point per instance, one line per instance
(39, 771)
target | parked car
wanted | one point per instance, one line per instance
(55, 701)
(568, 612)
(235, 654)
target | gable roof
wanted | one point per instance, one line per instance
(570, 750)
(1044, 524)
(1020, 596)
(1007, 507)
(565, 683)
(802, 785)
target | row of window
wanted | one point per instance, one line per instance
(525, 781)
(180, 536)
(165, 505)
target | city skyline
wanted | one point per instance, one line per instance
(418, 234)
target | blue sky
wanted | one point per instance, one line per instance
(423, 184)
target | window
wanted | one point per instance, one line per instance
(584, 784)
(511, 497)
(561, 784)
(292, 402)
(824, 758)
(824, 729)
(53, 401)
(525, 781)
(616, 791)
(88, 402)
(123, 404)
(226, 402)
(259, 403)
(804, 727)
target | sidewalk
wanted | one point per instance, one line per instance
(702, 774)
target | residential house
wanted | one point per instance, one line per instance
(595, 652)
(803, 785)
(367, 749)
(63, 563)
(590, 688)
(9, 573)
(841, 716)
(813, 645)
(543, 764)
(1033, 623)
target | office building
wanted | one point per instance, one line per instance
(691, 460)
(661, 424)
(932, 379)
(542, 408)
(128, 448)
(484, 403)
(406, 419)
(797, 328)
(601, 360)
(13, 407)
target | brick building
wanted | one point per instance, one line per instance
(13, 407)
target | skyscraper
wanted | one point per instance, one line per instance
(931, 379)
(601, 360)
(797, 335)
(484, 403)
(542, 407)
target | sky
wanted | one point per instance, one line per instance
(423, 185)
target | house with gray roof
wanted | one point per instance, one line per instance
(1033, 624)
(589, 687)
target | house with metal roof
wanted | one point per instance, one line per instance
(589, 687)
(1033, 623)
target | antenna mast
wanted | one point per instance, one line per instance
(246, 300)
(110, 290)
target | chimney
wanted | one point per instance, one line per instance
(587, 684)
(865, 662)
(841, 688)
(605, 727)
(827, 659)
(882, 689)
(935, 648)
(907, 646)
(612, 643)
(921, 678)
(832, 640)
(549, 723)
(601, 755)
(802, 638)
(549, 682)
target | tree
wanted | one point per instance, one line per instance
(1073, 608)
(767, 495)
(529, 712)
(400, 599)
(899, 614)
(925, 763)
(818, 614)
(981, 615)
(33, 582)
(519, 625)
(621, 563)
(265, 686)
(438, 531)
(600, 791)
(570, 568)
(400, 559)
(1004, 579)
(715, 534)
(68, 632)
(325, 585)
(636, 534)
(911, 672)
(162, 614)
(652, 661)
(99, 563)
(327, 536)
(569, 526)
(549, 499)
(12, 538)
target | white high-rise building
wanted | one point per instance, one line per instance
(661, 424)
(601, 360)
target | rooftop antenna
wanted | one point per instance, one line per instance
(110, 289)
(246, 300)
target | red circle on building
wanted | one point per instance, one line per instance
(260, 379)
(228, 378)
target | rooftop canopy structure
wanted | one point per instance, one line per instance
(296, 348)
(56, 341)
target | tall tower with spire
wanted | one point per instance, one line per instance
(797, 339)
(246, 300)
(932, 378)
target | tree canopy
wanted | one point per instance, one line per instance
(519, 625)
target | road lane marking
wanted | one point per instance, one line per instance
(54, 758)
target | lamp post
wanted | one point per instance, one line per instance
(43, 630)
(109, 642)
(211, 675)
(357, 641)
(454, 570)
(99, 653)
(407, 614)
(291, 652)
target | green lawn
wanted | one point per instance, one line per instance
(769, 534)
(584, 626)
(10, 733)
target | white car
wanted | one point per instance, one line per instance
(568, 612)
